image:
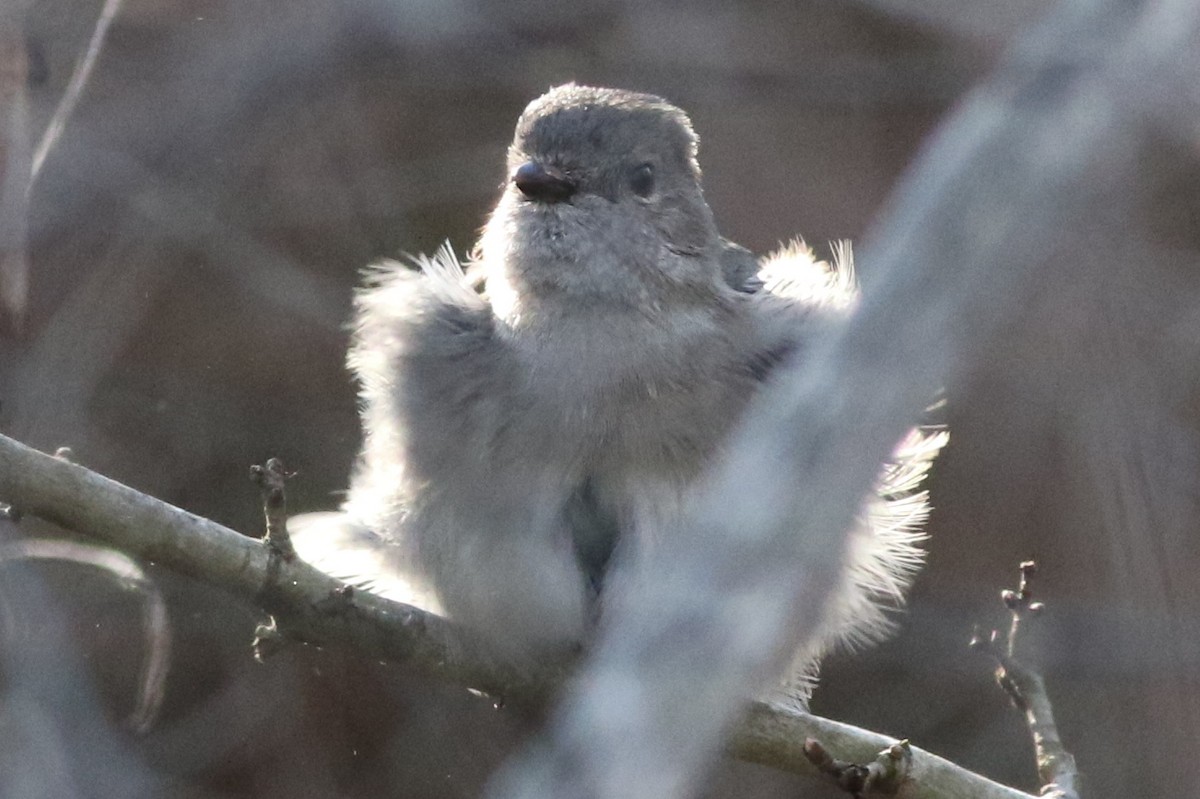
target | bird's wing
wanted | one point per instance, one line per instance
(800, 297)
(739, 267)
(794, 273)
(425, 355)
(794, 296)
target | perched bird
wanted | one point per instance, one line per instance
(524, 440)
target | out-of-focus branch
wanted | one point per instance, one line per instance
(958, 254)
(20, 161)
(315, 608)
(74, 90)
(156, 626)
(15, 172)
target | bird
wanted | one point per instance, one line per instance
(533, 417)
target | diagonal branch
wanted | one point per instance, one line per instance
(958, 255)
(74, 90)
(312, 607)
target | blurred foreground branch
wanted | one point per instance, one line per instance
(960, 253)
(314, 608)
(74, 90)
(16, 154)
(156, 628)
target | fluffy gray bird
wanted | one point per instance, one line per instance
(523, 441)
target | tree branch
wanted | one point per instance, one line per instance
(314, 608)
(774, 736)
(74, 90)
(155, 622)
(16, 154)
(310, 605)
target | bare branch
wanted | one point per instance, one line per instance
(270, 478)
(317, 609)
(155, 623)
(15, 159)
(310, 606)
(882, 776)
(774, 736)
(74, 90)
(1018, 672)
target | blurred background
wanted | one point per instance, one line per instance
(175, 287)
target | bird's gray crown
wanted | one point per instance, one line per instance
(574, 126)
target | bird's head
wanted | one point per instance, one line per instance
(602, 203)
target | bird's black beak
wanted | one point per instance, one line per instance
(543, 184)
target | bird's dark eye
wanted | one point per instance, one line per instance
(641, 180)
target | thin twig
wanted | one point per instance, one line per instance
(79, 79)
(16, 154)
(270, 479)
(1018, 673)
(155, 622)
